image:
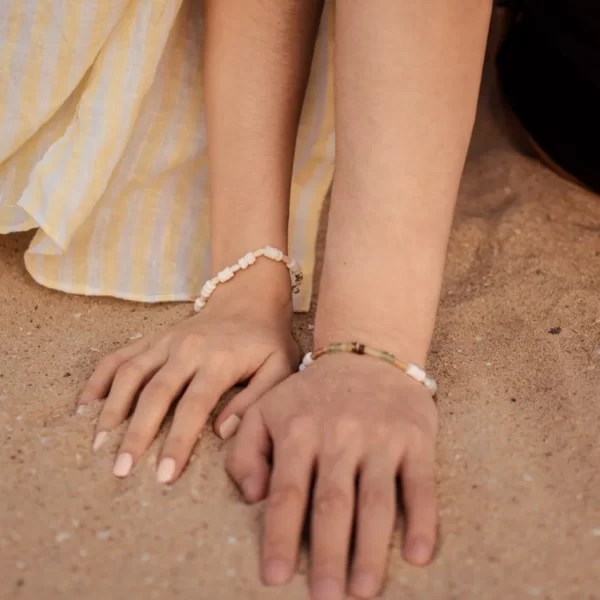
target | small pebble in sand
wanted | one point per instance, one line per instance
(478, 338)
(457, 456)
(77, 315)
(535, 591)
(8, 428)
(137, 336)
(94, 349)
(311, 326)
(83, 553)
(488, 364)
(103, 535)
(20, 564)
(596, 532)
(145, 557)
(62, 536)
(527, 477)
(19, 417)
(554, 330)
(579, 497)
(231, 540)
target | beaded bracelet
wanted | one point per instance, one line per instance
(413, 371)
(243, 263)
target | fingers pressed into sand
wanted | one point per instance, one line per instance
(152, 406)
(285, 513)
(376, 514)
(420, 505)
(248, 458)
(332, 508)
(191, 416)
(98, 385)
(274, 370)
(130, 377)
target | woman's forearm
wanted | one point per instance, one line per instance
(257, 62)
(407, 80)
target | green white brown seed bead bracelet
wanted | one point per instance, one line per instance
(413, 371)
(243, 263)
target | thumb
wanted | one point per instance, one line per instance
(273, 371)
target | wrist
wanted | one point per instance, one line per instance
(334, 327)
(265, 285)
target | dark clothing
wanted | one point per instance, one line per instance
(549, 69)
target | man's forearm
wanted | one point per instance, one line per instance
(257, 61)
(407, 80)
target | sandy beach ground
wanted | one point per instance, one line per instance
(517, 356)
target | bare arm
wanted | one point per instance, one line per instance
(257, 62)
(407, 80)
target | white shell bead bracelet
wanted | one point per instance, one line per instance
(243, 263)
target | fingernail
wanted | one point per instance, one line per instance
(364, 584)
(123, 465)
(250, 489)
(229, 426)
(326, 589)
(276, 572)
(99, 439)
(418, 550)
(166, 470)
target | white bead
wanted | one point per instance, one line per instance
(199, 304)
(225, 275)
(431, 385)
(416, 373)
(293, 266)
(235, 268)
(308, 359)
(273, 253)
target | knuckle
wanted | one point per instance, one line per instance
(176, 445)
(220, 358)
(346, 428)
(130, 369)
(284, 496)
(332, 500)
(374, 500)
(109, 419)
(300, 428)
(134, 438)
(190, 344)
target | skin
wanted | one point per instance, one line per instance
(407, 78)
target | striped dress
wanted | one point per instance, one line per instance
(103, 146)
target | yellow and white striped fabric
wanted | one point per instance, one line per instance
(103, 146)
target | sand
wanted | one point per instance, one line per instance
(517, 355)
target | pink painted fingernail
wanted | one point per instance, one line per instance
(229, 426)
(123, 465)
(166, 470)
(99, 439)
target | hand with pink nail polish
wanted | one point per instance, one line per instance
(242, 335)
